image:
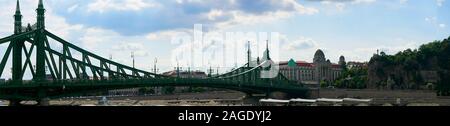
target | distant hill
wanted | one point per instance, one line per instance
(426, 67)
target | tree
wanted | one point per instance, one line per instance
(355, 78)
(443, 87)
(323, 84)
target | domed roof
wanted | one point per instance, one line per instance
(342, 58)
(319, 53)
(319, 56)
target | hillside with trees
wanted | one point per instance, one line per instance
(424, 68)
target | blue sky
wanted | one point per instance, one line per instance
(353, 28)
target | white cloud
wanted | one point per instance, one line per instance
(107, 42)
(281, 9)
(121, 5)
(241, 18)
(403, 1)
(96, 40)
(60, 26)
(213, 14)
(326, 2)
(363, 1)
(440, 2)
(347, 1)
(435, 22)
(364, 54)
(72, 8)
(299, 8)
(301, 44)
(179, 1)
(128, 46)
(166, 35)
(431, 19)
(138, 49)
(221, 14)
(210, 12)
(340, 5)
(94, 37)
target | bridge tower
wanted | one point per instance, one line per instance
(266, 55)
(249, 60)
(17, 47)
(17, 20)
(40, 41)
(40, 15)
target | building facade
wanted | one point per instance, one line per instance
(313, 73)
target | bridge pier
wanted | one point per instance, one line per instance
(278, 95)
(15, 103)
(253, 99)
(43, 102)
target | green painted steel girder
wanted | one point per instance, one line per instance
(244, 78)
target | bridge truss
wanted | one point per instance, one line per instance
(73, 75)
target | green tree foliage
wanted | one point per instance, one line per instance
(443, 87)
(434, 56)
(323, 84)
(355, 78)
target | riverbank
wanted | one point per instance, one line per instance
(403, 97)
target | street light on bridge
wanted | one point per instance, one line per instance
(132, 56)
(155, 70)
(110, 58)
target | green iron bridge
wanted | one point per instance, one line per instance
(69, 76)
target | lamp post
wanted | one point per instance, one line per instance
(132, 57)
(155, 70)
(110, 58)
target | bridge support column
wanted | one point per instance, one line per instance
(43, 102)
(17, 62)
(14, 103)
(40, 56)
(278, 95)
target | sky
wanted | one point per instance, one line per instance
(355, 29)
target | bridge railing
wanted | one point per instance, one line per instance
(246, 76)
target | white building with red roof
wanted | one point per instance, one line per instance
(312, 73)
